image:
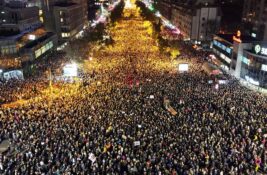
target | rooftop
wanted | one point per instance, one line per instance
(39, 40)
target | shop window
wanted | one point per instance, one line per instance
(37, 53)
(228, 50)
(43, 49)
(245, 60)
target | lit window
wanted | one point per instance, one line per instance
(264, 51)
(253, 35)
(60, 12)
(3, 12)
(223, 47)
(4, 20)
(37, 53)
(40, 12)
(43, 49)
(64, 35)
(246, 61)
(264, 67)
(228, 50)
(41, 19)
(61, 20)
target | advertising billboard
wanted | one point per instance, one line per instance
(70, 70)
(183, 67)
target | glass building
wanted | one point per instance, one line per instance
(222, 47)
(243, 57)
(254, 65)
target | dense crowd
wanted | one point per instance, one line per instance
(120, 126)
(15, 89)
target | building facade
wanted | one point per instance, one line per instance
(254, 18)
(65, 18)
(38, 48)
(241, 56)
(69, 20)
(197, 23)
(16, 17)
(254, 64)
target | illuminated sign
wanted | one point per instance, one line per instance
(257, 49)
(264, 51)
(183, 67)
(222, 46)
(260, 50)
(70, 70)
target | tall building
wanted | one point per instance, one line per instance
(66, 18)
(22, 37)
(196, 23)
(69, 20)
(37, 3)
(16, 17)
(255, 18)
(241, 56)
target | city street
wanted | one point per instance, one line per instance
(138, 115)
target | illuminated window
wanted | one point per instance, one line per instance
(264, 51)
(37, 53)
(60, 12)
(246, 61)
(253, 35)
(3, 12)
(223, 47)
(64, 35)
(61, 20)
(41, 19)
(228, 50)
(47, 47)
(264, 67)
(227, 59)
(50, 44)
(40, 12)
(43, 49)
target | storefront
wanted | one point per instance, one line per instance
(241, 56)
(39, 48)
(254, 65)
(222, 46)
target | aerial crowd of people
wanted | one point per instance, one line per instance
(118, 124)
